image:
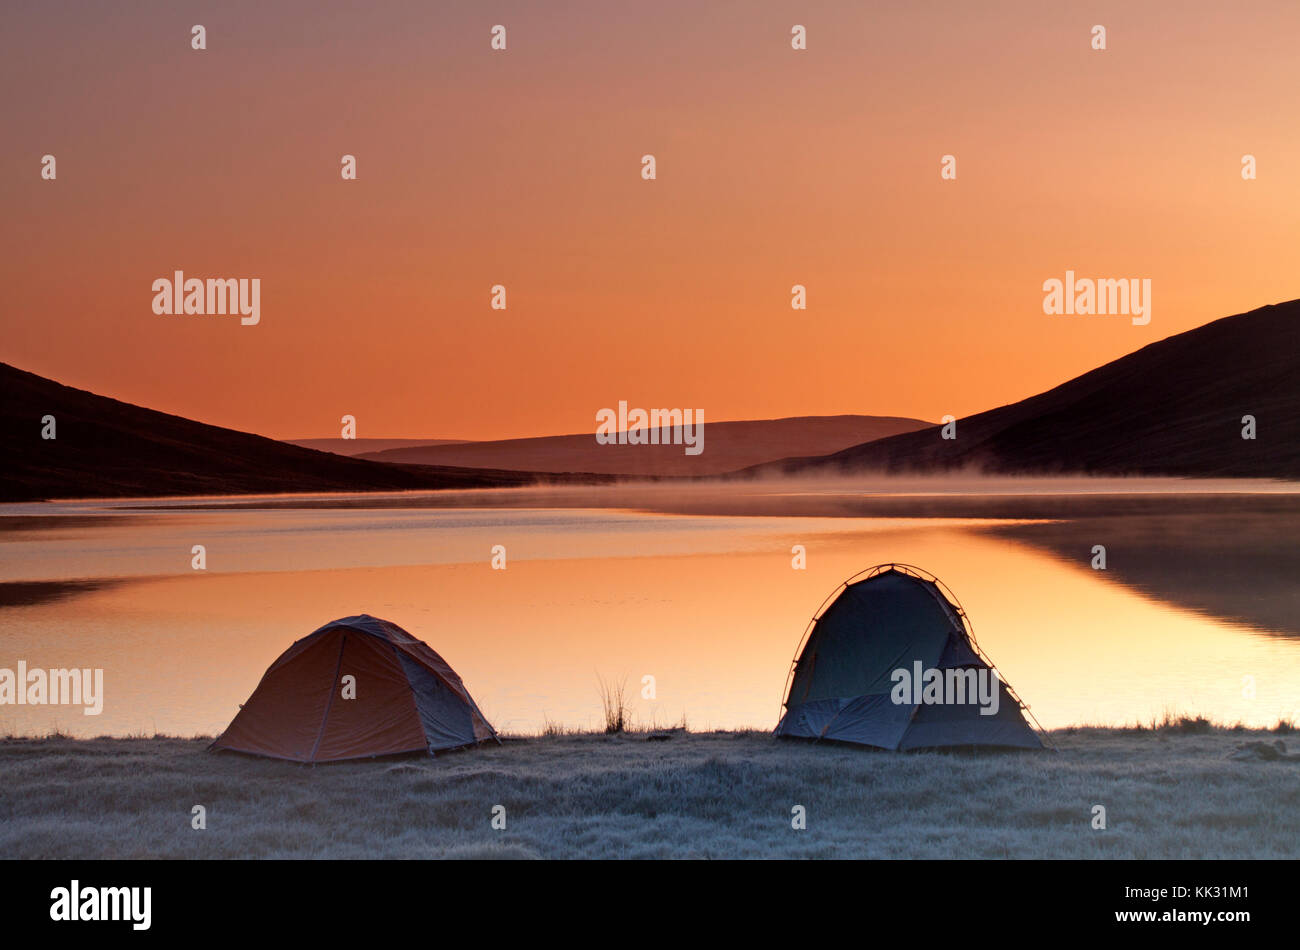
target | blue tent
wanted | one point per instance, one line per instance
(891, 663)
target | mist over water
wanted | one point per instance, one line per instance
(689, 583)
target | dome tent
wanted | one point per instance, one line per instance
(356, 688)
(852, 679)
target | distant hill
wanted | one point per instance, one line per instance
(106, 448)
(363, 446)
(1171, 408)
(727, 446)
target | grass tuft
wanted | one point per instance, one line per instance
(613, 698)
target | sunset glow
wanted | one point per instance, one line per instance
(774, 168)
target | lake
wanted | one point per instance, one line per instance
(1196, 613)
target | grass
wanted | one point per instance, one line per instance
(1188, 725)
(1171, 790)
(613, 699)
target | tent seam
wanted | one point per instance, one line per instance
(338, 665)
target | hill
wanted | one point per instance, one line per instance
(727, 447)
(105, 448)
(364, 446)
(1174, 407)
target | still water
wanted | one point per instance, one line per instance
(708, 605)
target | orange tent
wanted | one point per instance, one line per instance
(356, 688)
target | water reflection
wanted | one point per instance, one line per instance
(707, 605)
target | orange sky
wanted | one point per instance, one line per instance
(775, 167)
